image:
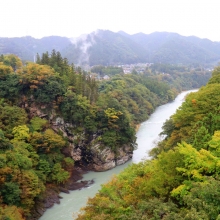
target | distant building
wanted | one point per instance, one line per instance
(106, 77)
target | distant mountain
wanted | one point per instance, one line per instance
(28, 47)
(173, 48)
(105, 48)
(108, 48)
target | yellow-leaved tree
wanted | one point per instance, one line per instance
(34, 74)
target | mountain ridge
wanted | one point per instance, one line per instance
(104, 47)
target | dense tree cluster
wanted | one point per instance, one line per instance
(138, 95)
(29, 158)
(182, 181)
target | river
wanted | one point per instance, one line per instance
(147, 137)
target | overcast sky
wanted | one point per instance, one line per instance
(71, 18)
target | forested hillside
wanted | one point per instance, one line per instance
(173, 48)
(27, 47)
(55, 117)
(106, 48)
(182, 179)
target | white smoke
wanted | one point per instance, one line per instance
(84, 42)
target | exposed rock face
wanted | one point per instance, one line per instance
(125, 153)
(103, 159)
(100, 158)
(76, 153)
(93, 153)
(106, 159)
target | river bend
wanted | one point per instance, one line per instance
(147, 137)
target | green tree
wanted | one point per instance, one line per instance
(214, 144)
(4, 142)
(201, 139)
(59, 174)
(11, 193)
(37, 124)
(21, 133)
(11, 213)
(10, 117)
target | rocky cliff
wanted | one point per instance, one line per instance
(91, 153)
(85, 151)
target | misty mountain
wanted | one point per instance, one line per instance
(28, 47)
(105, 47)
(108, 48)
(168, 47)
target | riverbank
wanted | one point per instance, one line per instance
(52, 193)
(137, 127)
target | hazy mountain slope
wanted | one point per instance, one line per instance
(108, 48)
(174, 48)
(179, 50)
(116, 49)
(205, 43)
(27, 47)
(153, 41)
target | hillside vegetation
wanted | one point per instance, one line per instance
(182, 180)
(49, 109)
